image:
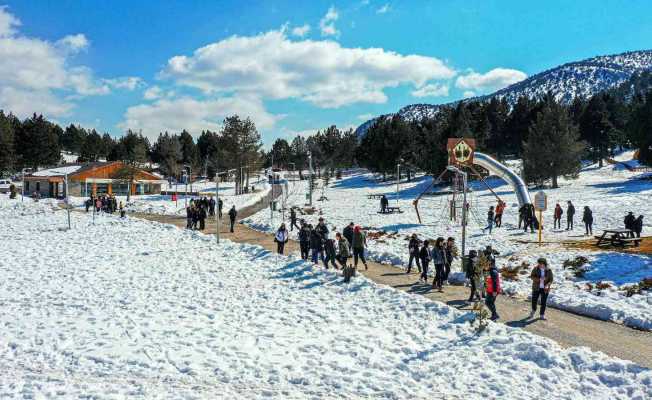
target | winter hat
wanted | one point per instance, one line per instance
(357, 228)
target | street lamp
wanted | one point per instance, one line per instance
(398, 177)
(22, 187)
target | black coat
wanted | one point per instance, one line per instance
(588, 216)
(232, 214)
(637, 225)
(629, 221)
(348, 234)
(304, 235)
(316, 242)
(413, 246)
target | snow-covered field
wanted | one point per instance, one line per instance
(129, 308)
(610, 192)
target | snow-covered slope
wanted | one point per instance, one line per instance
(577, 79)
(131, 309)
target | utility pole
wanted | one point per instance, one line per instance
(67, 200)
(217, 206)
(398, 179)
(310, 179)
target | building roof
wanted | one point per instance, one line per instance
(72, 168)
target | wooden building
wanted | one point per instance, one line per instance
(96, 178)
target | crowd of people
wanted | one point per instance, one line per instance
(106, 203)
(198, 210)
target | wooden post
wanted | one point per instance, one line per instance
(540, 225)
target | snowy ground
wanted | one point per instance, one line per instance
(610, 191)
(129, 308)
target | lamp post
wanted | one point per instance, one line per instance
(310, 179)
(67, 200)
(398, 177)
(22, 186)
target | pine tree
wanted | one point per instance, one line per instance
(37, 143)
(595, 128)
(242, 142)
(189, 150)
(92, 147)
(553, 147)
(7, 141)
(639, 128)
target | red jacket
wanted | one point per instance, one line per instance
(490, 282)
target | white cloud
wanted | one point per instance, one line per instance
(497, 78)
(125, 82)
(384, 9)
(324, 73)
(38, 76)
(74, 43)
(365, 117)
(301, 31)
(327, 23)
(8, 22)
(469, 93)
(194, 115)
(153, 93)
(431, 90)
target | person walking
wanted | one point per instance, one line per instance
(329, 250)
(557, 216)
(202, 217)
(293, 219)
(587, 218)
(359, 243)
(490, 220)
(570, 215)
(281, 237)
(500, 209)
(322, 229)
(521, 215)
(438, 256)
(451, 254)
(424, 255)
(413, 251)
(195, 216)
(123, 212)
(188, 217)
(232, 216)
(343, 249)
(304, 241)
(637, 227)
(473, 274)
(316, 247)
(347, 232)
(220, 203)
(541, 281)
(211, 207)
(493, 290)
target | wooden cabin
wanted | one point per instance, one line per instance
(97, 178)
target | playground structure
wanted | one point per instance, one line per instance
(462, 156)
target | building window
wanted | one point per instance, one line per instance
(38, 186)
(26, 186)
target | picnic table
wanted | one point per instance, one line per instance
(375, 196)
(616, 237)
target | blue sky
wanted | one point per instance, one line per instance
(293, 67)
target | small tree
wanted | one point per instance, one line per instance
(553, 147)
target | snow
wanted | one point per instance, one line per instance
(610, 192)
(129, 308)
(69, 169)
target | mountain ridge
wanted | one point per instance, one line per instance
(582, 78)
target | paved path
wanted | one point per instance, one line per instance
(565, 328)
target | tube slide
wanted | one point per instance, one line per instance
(500, 170)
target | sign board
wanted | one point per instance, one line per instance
(460, 151)
(540, 201)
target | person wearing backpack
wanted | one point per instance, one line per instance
(413, 250)
(281, 238)
(541, 281)
(424, 254)
(304, 240)
(343, 250)
(493, 290)
(359, 243)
